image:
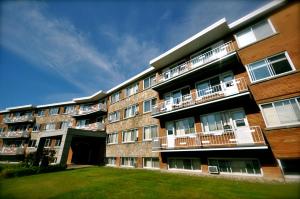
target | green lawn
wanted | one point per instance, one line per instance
(102, 182)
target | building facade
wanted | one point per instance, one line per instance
(225, 101)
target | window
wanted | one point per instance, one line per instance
(65, 124)
(47, 142)
(69, 109)
(85, 107)
(184, 164)
(50, 126)
(180, 127)
(220, 122)
(128, 161)
(150, 132)
(270, 67)
(111, 161)
(32, 143)
(115, 97)
(131, 111)
(236, 166)
(130, 135)
(82, 123)
(148, 104)
(41, 112)
(53, 111)
(112, 138)
(58, 142)
(36, 127)
(151, 163)
(130, 90)
(284, 112)
(290, 166)
(149, 81)
(255, 33)
(115, 116)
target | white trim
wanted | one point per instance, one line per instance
(185, 158)
(189, 40)
(56, 104)
(214, 149)
(202, 104)
(257, 13)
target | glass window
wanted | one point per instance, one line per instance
(50, 126)
(151, 162)
(133, 89)
(150, 132)
(181, 127)
(254, 33)
(69, 109)
(112, 138)
(282, 112)
(32, 143)
(53, 111)
(65, 124)
(130, 135)
(41, 112)
(269, 67)
(148, 104)
(47, 142)
(128, 161)
(114, 116)
(130, 111)
(115, 97)
(149, 81)
(111, 161)
(184, 163)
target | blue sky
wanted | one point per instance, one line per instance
(53, 51)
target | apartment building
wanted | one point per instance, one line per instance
(225, 101)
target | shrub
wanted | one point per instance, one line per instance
(17, 172)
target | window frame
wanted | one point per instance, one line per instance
(53, 108)
(273, 106)
(115, 113)
(251, 28)
(272, 76)
(151, 104)
(185, 158)
(131, 113)
(149, 79)
(152, 165)
(132, 87)
(150, 126)
(111, 134)
(113, 96)
(136, 136)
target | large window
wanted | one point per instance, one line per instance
(130, 135)
(114, 116)
(50, 126)
(284, 112)
(82, 123)
(112, 138)
(65, 124)
(47, 142)
(41, 112)
(148, 104)
(69, 109)
(290, 166)
(151, 163)
(130, 111)
(128, 161)
(180, 127)
(236, 166)
(255, 33)
(150, 132)
(184, 164)
(53, 111)
(115, 97)
(149, 81)
(132, 89)
(220, 122)
(111, 161)
(270, 67)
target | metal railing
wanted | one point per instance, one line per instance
(14, 134)
(97, 126)
(7, 150)
(91, 109)
(252, 136)
(23, 118)
(201, 96)
(197, 61)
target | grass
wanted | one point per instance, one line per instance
(104, 182)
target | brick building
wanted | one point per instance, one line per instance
(225, 101)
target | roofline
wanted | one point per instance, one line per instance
(139, 75)
(55, 104)
(189, 40)
(256, 13)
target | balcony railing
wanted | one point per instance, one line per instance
(201, 96)
(6, 150)
(97, 126)
(89, 110)
(14, 134)
(200, 60)
(15, 119)
(31, 149)
(251, 136)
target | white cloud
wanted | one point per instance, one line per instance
(54, 44)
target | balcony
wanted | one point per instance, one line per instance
(89, 110)
(97, 126)
(195, 63)
(14, 134)
(249, 137)
(31, 150)
(16, 119)
(12, 150)
(201, 97)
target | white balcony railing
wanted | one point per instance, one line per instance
(7, 150)
(251, 136)
(15, 119)
(201, 96)
(97, 126)
(89, 110)
(14, 134)
(200, 60)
